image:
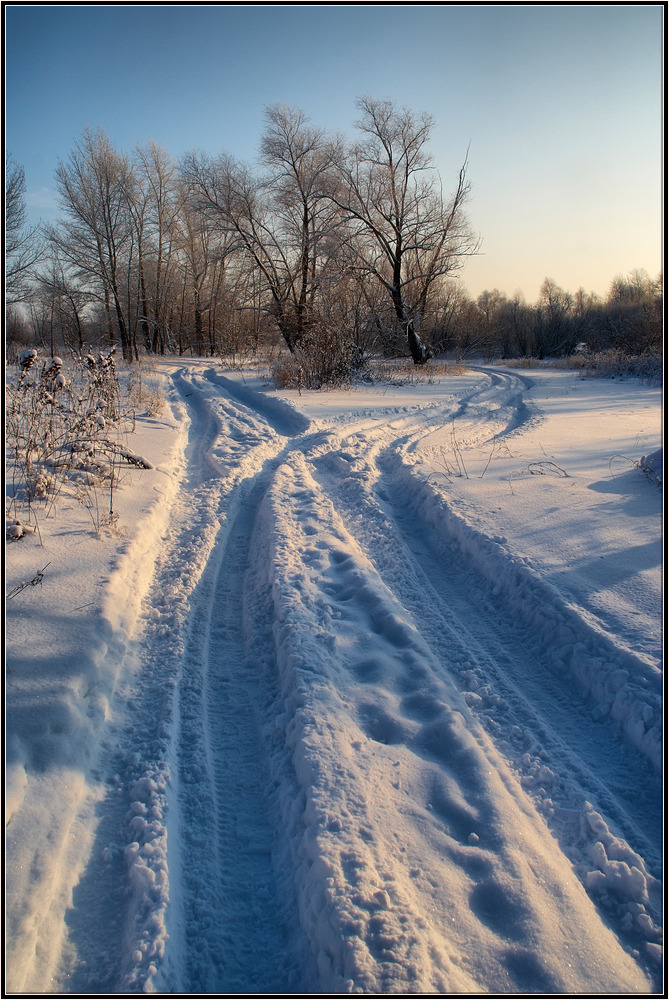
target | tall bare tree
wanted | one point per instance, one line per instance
(554, 331)
(201, 254)
(158, 213)
(401, 232)
(97, 236)
(232, 201)
(298, 159)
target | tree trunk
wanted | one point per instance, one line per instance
(418, 352)
(198, 331)
(145, 308)
(126, 346)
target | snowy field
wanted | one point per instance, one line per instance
(362, 695)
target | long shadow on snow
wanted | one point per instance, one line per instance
(549, 693)
(573, 743)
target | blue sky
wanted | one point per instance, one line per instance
(559, 105)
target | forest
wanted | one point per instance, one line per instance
(325, 253)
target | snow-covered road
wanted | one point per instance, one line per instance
(363, 740)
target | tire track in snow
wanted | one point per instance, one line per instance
(516, 663)
(117, 929)
(134, 926)
(279, 415)
(234, 938)
(491, 410)
(507, 391)
(207, 429)
(230, 905)
(489, 658)
(461, 612)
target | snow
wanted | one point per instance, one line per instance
(362, 694)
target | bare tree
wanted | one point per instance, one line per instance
(400, 230)
(201, 253)
(519, 325)
(446, 307)
(298, 158)
(24, 246)
(280, 222)
(235, 203)
(554, 331)
(97, 236)
(634, 313)
(157, 215)
(68, 302)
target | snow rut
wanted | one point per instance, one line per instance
(232, 914)
(180, 876)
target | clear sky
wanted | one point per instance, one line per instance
(559, 105)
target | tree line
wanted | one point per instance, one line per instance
(338, 248)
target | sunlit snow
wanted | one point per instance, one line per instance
(362, 695)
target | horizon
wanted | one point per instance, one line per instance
(560, 111)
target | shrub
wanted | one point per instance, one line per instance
(321, 361)
(64, 436)
(615, 363)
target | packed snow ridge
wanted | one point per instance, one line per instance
(363, 695)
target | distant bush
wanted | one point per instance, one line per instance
(404, 372)
(615, 364)
(600, 364)
(143, 392)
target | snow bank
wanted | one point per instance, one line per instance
(653, 466)
(67, 653)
